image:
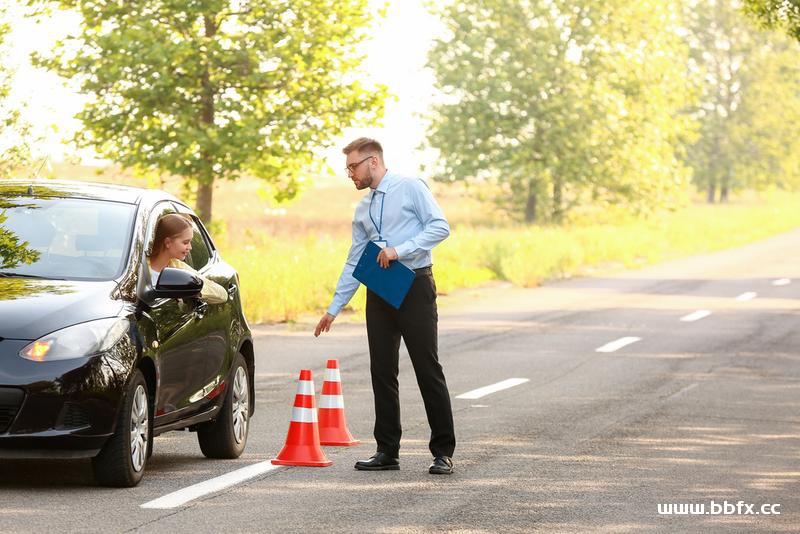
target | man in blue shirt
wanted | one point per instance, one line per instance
(402, 217)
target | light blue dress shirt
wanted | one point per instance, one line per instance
(412, 223)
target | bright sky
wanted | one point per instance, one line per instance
(395, 57)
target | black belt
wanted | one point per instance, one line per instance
(424, 270)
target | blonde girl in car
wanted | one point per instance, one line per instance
(171, 244)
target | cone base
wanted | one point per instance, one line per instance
(302, 464)
(341, 443)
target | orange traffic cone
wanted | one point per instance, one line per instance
(332, 424)
(302, 442)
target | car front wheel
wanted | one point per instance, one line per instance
(122, 460)
(226, 436)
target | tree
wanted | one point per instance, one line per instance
(558, 101)
(13, 251)
(749, 107)
(215, 89)
(777, 14)
(14, 153)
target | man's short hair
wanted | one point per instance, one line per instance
(364, 144)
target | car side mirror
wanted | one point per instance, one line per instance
(177, 284)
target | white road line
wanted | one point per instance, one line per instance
(781, 282)
(683, 390)
(181, 497)
(618, 344)
(494, 388)
(750, 295)
(695, 316)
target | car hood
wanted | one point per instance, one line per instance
(31, 308)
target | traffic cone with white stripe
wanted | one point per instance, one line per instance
(302, 442)
(332, 423)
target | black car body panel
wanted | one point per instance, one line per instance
(185, 348)
(31, 308)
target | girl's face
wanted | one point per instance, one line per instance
(178, 247)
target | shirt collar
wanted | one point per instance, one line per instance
(384, 185)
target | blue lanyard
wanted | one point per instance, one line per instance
(379, 224)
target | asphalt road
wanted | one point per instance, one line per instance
(690, 412)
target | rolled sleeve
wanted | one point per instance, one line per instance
(347, 285)
(435, 227)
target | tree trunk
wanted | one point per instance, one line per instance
(558, 214)
(530, 205)
(205, 187)
(725, 187)
(712, 192)
(205, 193)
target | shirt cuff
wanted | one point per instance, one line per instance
(403, 250)
(333, 310)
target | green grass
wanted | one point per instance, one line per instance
(285, 276)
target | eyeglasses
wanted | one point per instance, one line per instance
(351, 168)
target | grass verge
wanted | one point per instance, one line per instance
(284, 277)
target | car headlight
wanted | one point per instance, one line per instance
(77, 341)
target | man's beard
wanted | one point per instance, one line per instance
(363, 184)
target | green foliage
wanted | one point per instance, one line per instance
(14, 153)
(13, 251)
(783, 14)
(563, 103)
(749, 109)
(216, 89)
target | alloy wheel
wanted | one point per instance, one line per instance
(139, 428)
(240, 405)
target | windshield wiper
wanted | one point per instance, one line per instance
(6, 274)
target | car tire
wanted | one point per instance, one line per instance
(122, 459)
(226, 436)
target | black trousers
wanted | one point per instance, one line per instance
(417, 322)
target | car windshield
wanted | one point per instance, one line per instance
(64, 238)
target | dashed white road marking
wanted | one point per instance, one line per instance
(695, 316)
(750, 295)
(618, 344)
(182, 496)
(494, 388)
(781, 282)
(683, 390)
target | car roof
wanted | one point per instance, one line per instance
(86, 190)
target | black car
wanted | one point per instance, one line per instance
(95, 357)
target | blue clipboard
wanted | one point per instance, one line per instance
(391, 284)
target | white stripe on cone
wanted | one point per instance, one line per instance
(304, 415)
(305, 387)
(332, 375)
(331, 401)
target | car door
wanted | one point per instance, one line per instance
(176, 339)
(196, 333)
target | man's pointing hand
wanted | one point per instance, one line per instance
(324, 324)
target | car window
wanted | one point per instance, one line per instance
(64, 238)
(200, 254)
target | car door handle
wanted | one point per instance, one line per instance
(232, 290)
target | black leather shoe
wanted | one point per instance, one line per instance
(379, 462)
(442, 465)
